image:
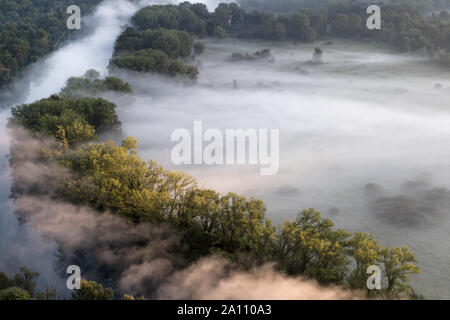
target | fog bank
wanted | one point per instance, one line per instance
(364, 119)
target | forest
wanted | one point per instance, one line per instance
(284, 6)
(404, 28)
(30, 30)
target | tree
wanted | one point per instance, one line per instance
(25, 280)
(69, 120)
(199, 48)
(243, 227)
(4, 281)
(48, 294)
(317, 55)
(341, 24)
(31, 29)
(92, 85)
(91, 290)
(298, 26)
(92, 74)
(398, 263)
(366, 251)
(309, 246)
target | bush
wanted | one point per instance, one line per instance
(14, 293)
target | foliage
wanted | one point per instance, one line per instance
(174, 43)
(149, 60)
(70, 120)
(25, 280)
(108, 177)
(14, 293)
(184, 17)
(403, 26)
(309, 246)
(285, 6)
(155, 51)
(263, 54)
(199, 48)
(91, 85)
(22, 286)
(31, 29)
(91, 290)
(398, 264)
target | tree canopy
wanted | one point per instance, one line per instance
(91, 85)
(405, 26)
(70, 120)
(30, 30)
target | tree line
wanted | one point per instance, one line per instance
(32, 29)
(22, 286)
(404, 26)
(285, 6)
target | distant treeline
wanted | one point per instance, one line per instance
(285, 6)
(282, 6)
(403, 26)
(30, 30)
(113, 178)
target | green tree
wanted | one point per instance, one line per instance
(398, 262)
(25, 280)
(199, 48)
(91, 290)
(14, 293)
(366, 251)
(4, 281)
(310, 246)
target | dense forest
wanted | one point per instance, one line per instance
(31, 29)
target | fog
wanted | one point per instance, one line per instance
(92, 51)
(19, 244)
(363, 137)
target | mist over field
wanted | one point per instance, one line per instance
(364, 125)
(363, 139)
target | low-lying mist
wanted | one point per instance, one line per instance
(363, 137)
